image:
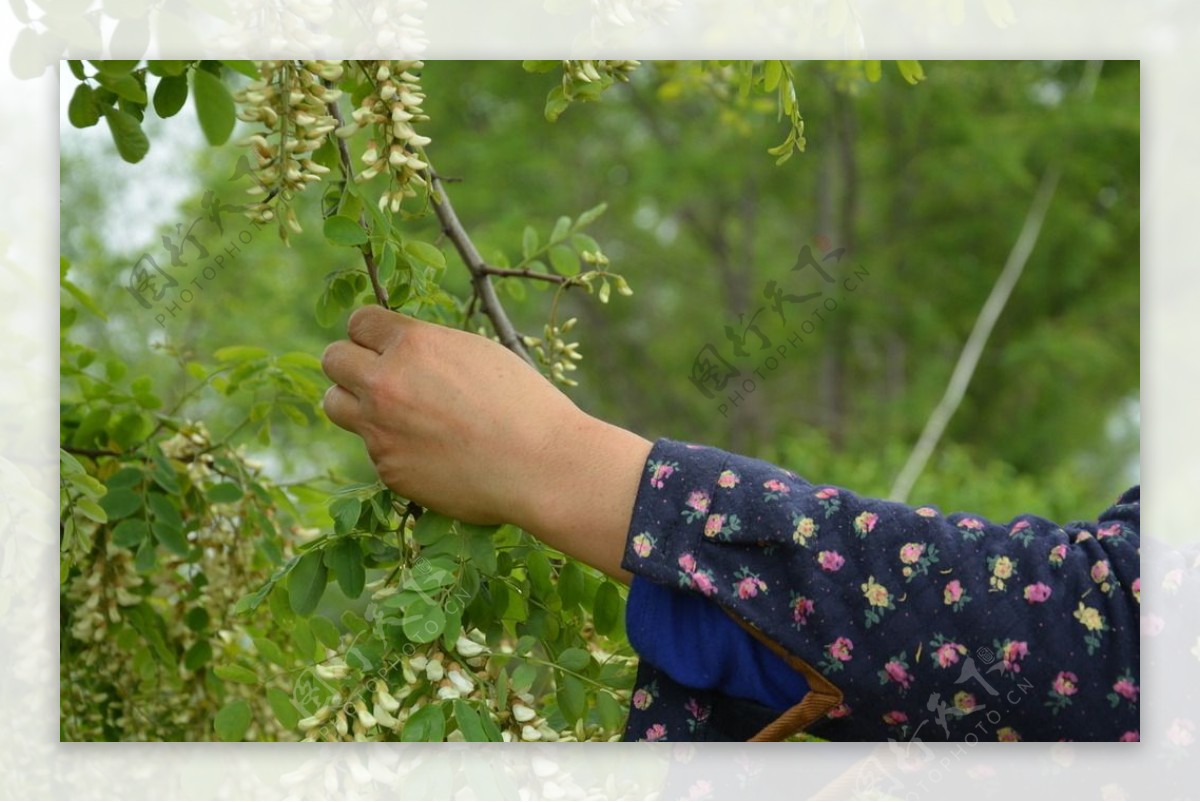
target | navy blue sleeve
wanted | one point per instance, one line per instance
(929, 625)
(695, 643)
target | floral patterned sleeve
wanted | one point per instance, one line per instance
(909, 624)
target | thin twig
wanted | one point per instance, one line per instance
(969, 358)
(480, 279)
(524, 272)
(94, 453)
(377, 287)
(964, 369)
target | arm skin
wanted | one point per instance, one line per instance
(459, 424)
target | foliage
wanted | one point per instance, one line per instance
(279, 592)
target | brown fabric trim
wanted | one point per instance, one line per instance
(822, 696)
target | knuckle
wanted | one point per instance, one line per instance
(358, 320)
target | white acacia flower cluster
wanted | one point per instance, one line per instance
(558, 356)
(396, 28)
(290, 102)
(588, 72)
(390, 112)
(632, 12)
(377, 707)
(111, 689)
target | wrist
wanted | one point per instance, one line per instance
(582, 500)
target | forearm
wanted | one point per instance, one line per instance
(583, 500)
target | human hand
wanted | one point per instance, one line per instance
(460, 424)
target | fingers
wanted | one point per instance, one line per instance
(341, 407)
(375, 327)
(349, 365)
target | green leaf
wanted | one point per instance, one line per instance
(127, 134)
(428, 575)
(564, 260)
(562, 227)
(165, 511)
(164, 67)
(911, 71)
(240, 353)
(164, 473)
(872, 70)
(556, 103)
(570, 585)
(529, 242)
(214, 106)
(345, 512)
(366, 655)
(344, 231)
(197, 619)
(574, 659)
(537, 566)
(114, 66)
(83, 111)
(480, 546)
(123, 86)
(130, 533)
(610, 711)
(170, 95)
(431, 527)
(326, 631)
(171, 537)
(545, 65)
(271, 651)
(346, 560)
(90, 509)
(606, 609)
(326, 311)
(153, 630)
(423, 622)
(247, 68)
(304, 640)
(354, 622)
(235, 673)
(224, 493)
(85, 300)
(232, 721)
(77, 69)
(120, 503)
(572, 699)
(772, 72)
(146, 557)
(299, 359)
(282, 707)
(306, 583)
(468, 722)
(523, 677)
(427, 724)
(591, 216)
(198, 656)
(426, 253)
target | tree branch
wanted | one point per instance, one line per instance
(381, 295)
(524, 272)
(992, 307)
(969, 358)
(479, 270)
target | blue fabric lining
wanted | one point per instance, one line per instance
(697, 644)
